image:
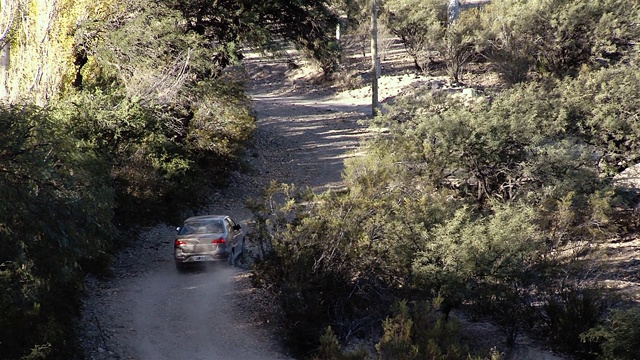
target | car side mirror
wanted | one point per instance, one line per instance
(237, 227)
(178, 229)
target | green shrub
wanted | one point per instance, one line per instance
(570, 313)
(330, 349)
(56, 215)
(329, 345)
(426, 34)
(420, 25)
(458, 46)
(397, 342)
(557, 37)
(159, 154)
(601, 107)
(619, 335)
(311, 276)
(420, 331)
(162, 106)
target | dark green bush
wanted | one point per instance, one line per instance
(618, 335)
(557, 37)
(313, 278)
(330, 349)
(158, 155)
(420, 331)
(397, 342)
(168, 117)
(56, 215)
(602, 108)
(420, 25)
(569, 314)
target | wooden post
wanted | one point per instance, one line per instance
(375, 59)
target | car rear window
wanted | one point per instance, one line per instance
(202, 227)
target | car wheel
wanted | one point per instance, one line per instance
(232, 255)
(180, 267)
(240, 246)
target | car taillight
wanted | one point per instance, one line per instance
(180, 242)
(218, 241)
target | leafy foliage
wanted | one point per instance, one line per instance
(40, 38)
(313, 278)
(420, 332)
(571, 313)
(601, 107)
(557, 37)
(153, 103)
(56, 218)
(231, 25)
(330, 349)
(520, 38)
(619, 335)
(420, 25)
(458, 44)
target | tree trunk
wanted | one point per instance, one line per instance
(4, 69)
(453, 9)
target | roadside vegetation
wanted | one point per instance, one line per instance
(116, 115)
(493, 207)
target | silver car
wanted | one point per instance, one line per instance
(206, 239)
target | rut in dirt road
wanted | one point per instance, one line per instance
(148, 310)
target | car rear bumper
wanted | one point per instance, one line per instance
(201, 258)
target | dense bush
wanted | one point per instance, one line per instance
(619, 335)
(570, 313)
(601, 106)
(464, 200)
(519, 38)
(313, 278)
(420, 332)
(557, 37)
(330, 349)
(157, 157)
(231, 26)
(55, 223)
(152, 102)
(420, 25)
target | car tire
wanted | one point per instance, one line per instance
(180, 267)
(231, 258)
(242, 245)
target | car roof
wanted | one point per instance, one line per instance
(206, 217)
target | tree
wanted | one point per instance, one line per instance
(458, 47)
(618, 334)
(427, 34)
(42, 42)
(421, 25)
(155, 104)
(230, 26)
